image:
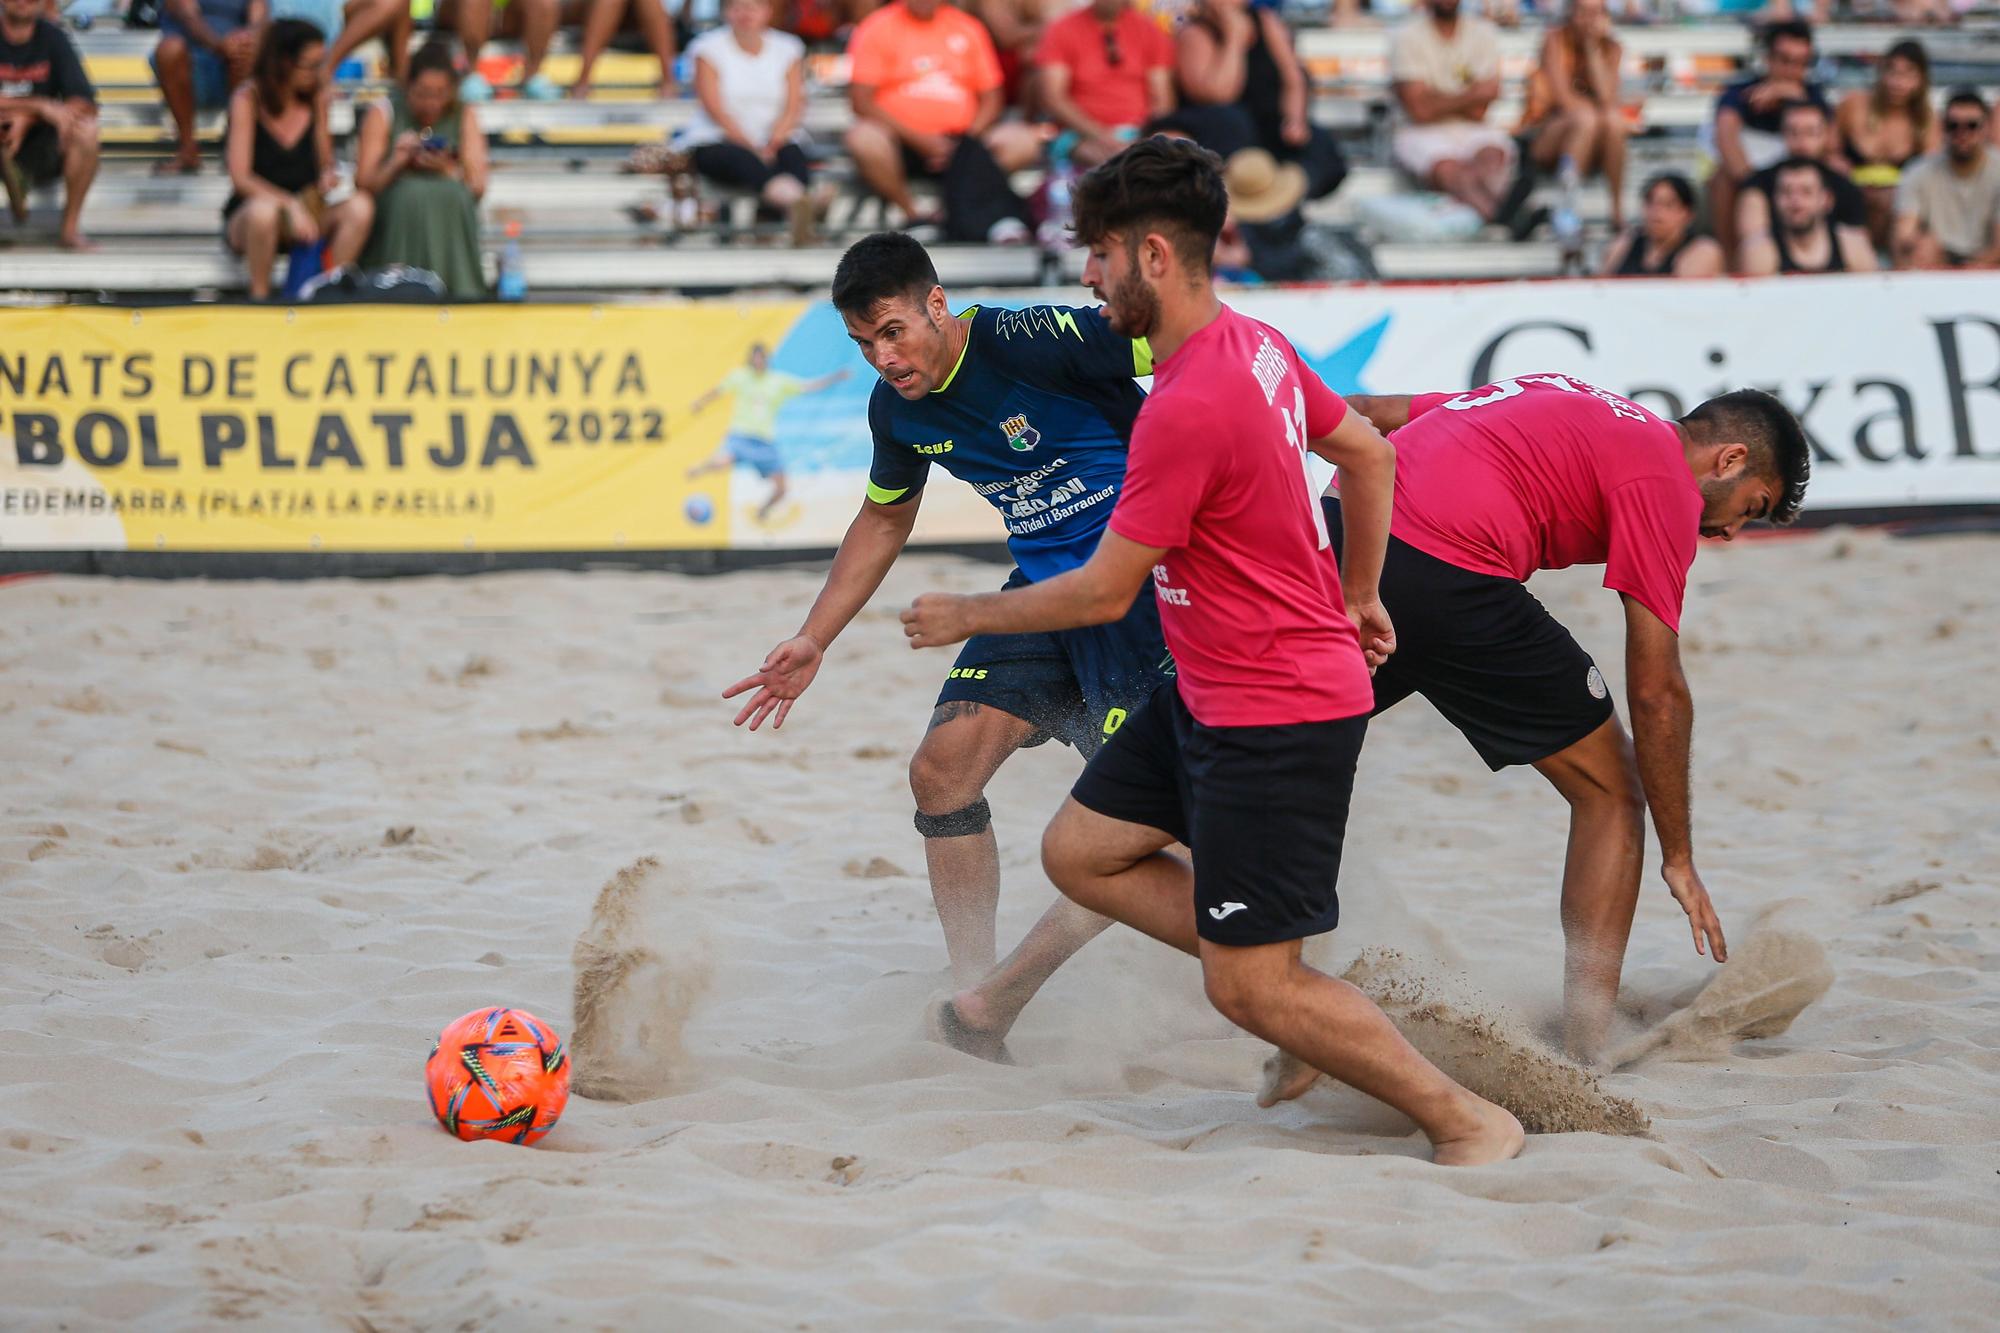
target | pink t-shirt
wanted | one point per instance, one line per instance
(1544, 472)
(1248, 591)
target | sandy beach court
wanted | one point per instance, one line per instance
(259, 842)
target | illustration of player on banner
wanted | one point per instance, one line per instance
(751, 440)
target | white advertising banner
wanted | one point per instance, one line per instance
(1896, 377)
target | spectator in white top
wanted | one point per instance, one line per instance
(1446, 69)
(750, 81)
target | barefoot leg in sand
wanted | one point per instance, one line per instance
(978, 1018)
(964, 747)
(1122, 870)
(1600, 889)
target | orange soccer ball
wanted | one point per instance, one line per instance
(498, 1074)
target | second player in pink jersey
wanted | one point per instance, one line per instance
(1248, 756)
(1540, 472)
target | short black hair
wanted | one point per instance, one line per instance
(1802, 104)
(1682, 187)
(1776, 440)
(1795, 28)
(1966, 97)
(880, 268)
(436, 56)
(1158, 184)
(1799, 164)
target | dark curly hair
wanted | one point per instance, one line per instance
(1172, 186)
(1766, 427)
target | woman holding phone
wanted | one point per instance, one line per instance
(423, 156)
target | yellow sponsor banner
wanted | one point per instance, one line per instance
(370, 428)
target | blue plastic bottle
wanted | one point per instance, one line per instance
(513, 277)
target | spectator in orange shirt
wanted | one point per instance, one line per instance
(1105, 70)
(925, 84)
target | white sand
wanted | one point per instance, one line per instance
(258, 843)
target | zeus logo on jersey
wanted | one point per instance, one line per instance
(941, 447)
(1021, 437)
(1034, 320)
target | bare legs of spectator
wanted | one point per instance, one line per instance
(365, 20)
(255, 228)
(173, 66)
(79, 145)
(1594, 139)
(347, 227)
(1722, 191)
(532, 21)
(602, 20)
(253, 233)
(1479, 183)
(1611, 161)
(1015, 145)
(878, 156)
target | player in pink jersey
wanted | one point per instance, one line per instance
(1543, 472)
(1248, 756)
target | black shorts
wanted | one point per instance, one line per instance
(40, 160)
(1263, 809)
(735, 166)
(1076, 685)
(1486, 654)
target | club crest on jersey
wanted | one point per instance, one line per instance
(1021, 437)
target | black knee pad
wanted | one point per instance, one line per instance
(974, 818)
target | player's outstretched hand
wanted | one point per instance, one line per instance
(936, 619)
(784, 676)
(1692, 895)
(1376, 630)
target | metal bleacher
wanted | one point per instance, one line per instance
(590, 230)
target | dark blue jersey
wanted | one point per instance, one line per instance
(1036, 417)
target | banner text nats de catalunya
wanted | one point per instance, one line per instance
(314, 410)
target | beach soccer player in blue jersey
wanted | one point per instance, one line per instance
(1034, 409)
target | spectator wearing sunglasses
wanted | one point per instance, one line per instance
(1948, 203)
(1105, 70)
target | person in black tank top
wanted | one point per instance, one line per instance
(1242, 86)
(280, 159)
(1804, 237)
(1665, 244)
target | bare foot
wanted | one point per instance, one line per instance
(1498, 1138)
(1285, 1077)
(77, 241)
(949, 1026)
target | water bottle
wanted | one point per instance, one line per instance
(513, 283)
(1053, 234)
(1568, 223)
